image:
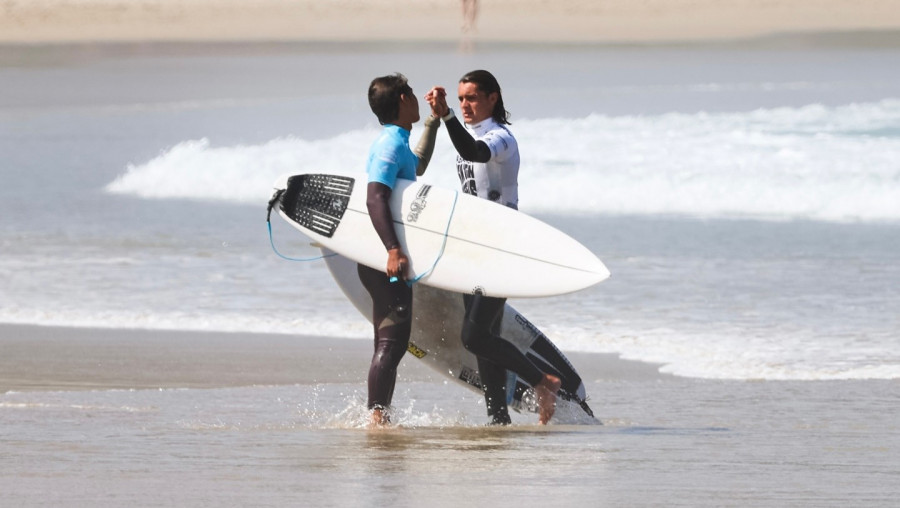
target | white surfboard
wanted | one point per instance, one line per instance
(454, 241)
(435, 340)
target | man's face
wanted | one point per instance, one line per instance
(474, 104)
(409, 107)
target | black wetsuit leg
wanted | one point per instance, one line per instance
(493, 382)
(391, 313)
(495, 355)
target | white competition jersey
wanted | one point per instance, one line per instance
(498, 178)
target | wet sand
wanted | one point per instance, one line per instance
(59, 358)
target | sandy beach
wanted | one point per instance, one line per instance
(619, 21)
(59, 358)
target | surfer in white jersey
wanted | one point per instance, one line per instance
(488, 167)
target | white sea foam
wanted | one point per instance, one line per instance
(321, 324)
(812, 162)
(717, 352)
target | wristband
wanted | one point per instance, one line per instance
(449, 116)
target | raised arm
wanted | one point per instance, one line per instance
(425, 148)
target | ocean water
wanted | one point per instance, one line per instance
(745, 197)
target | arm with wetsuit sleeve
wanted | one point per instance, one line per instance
(378, 199)
(466, 146)
(378, 203)
(425, 147)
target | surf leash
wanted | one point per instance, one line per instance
(276, 198)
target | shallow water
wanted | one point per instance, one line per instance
(664, 443)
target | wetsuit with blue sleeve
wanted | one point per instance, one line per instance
(389, 158)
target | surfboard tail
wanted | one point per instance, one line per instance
(317, 202)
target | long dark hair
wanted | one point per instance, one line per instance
(384, 96)
(487, 83)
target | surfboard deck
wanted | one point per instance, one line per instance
(454, 241)
(435, 340)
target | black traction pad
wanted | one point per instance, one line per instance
(317, 202)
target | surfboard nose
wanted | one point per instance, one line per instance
(601, 271)
(590, 274)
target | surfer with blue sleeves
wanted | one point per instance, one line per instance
(487, 164)
(390, 157)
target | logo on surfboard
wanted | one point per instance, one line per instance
(418, 204)
(416, 351)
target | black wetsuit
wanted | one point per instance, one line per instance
(495, 355)
(391, 313)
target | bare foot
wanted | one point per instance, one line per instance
(379, 418)
(546, 397)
